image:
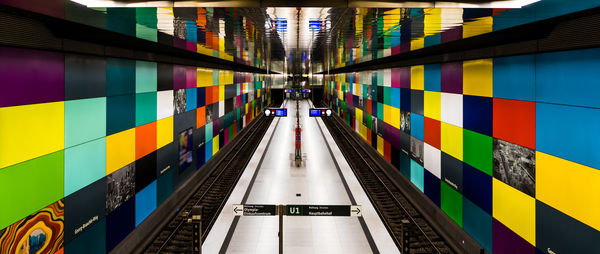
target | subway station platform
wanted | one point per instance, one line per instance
(324, 178)
(140, 126)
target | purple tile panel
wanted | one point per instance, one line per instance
(506, 241)
(405, 47)
(226, 138)
(55, 8)
(391, 134)
(190, 77)
(349, 99)
(452, 77)
(179, 43)
(216, 127)
(396, 50)
(452, 34)
(396, 77)
(238, 100)
(179, 81)
(190, 45)
(404, 77)
(31, 76)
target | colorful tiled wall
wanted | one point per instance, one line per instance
(219, 32)
(509, 147)
(90, 146)
(373, 33)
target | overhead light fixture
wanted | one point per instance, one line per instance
(350, 4)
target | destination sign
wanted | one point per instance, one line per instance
(316, 112)
(254, 210)
(276, 112)
(323, 210)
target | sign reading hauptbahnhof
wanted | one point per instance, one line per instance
(323, 210)
(298, 210)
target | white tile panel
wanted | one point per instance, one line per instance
(432, 158)
(164, 104)
(452, 109)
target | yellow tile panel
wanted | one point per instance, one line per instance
(572, 188)
(395, 112)
(362, 130)
(417, 44)
(221, 93)
(164, 132)
(417, 78)
(432, 105)
(120, 150)
(221, 44)
(387, 114)
(380, 145)
(358, 115)
(215, 143)
(433, 20)
(478, 77)
(514, 209)
(30, 131)
(204, 77)
(479, 26)
(452, 140)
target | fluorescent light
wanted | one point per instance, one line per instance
(509, 4)
(351, 4)
(108, 3)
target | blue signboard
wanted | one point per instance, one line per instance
(276, 112)
(281, 112)
(315, 112)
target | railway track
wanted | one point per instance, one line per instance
(211, 194)
(409, 229)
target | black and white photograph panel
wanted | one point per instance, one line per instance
(179, 101)
(210, 115)
(515, 166)
(416, 150)
(361, 103)
(120, 187)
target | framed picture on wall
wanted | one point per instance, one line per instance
(186, 144)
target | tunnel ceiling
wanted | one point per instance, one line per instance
(314, 39)
(312, 3)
